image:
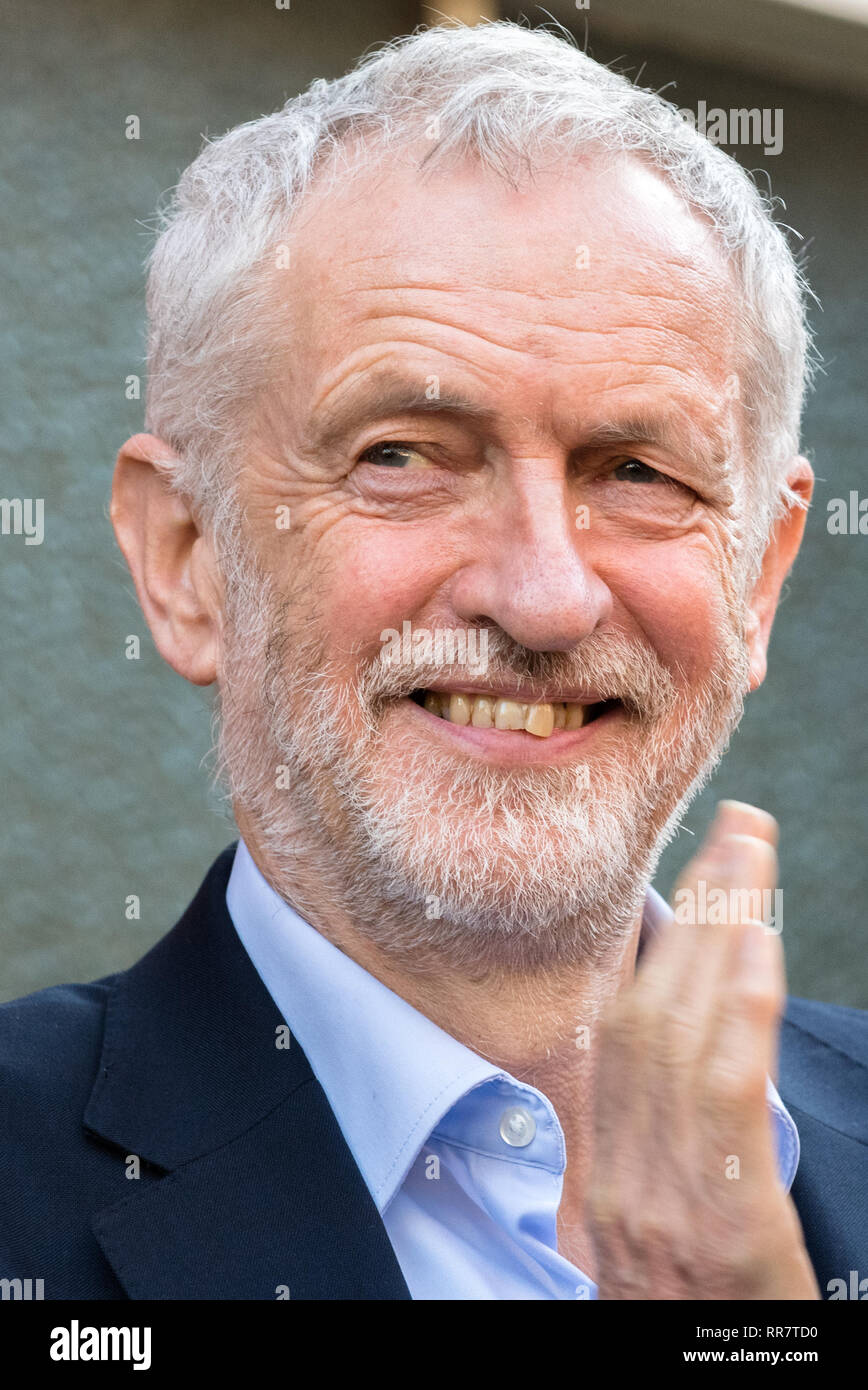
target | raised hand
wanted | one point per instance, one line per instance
(685, 1200)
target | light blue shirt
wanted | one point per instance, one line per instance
(464, 1162)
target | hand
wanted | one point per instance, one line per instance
(684, 1200)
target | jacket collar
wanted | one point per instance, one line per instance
(824, 1079)
(192, 1081)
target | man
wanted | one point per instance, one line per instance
(472, 479)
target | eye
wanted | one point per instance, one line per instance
(635, 471)
(392, 453)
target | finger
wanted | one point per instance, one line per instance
(690, 973)
(740, 818)
(722, 895)
(743, 1052)
(729, 881)
(731, 878)
(745, 1010)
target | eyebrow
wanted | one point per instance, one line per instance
(674, 432)
(378, 399)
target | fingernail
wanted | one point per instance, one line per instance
(740, 818)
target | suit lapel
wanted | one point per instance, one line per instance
(825, 1088)
(260, 1197)
(831, 1196)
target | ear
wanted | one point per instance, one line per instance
(171, 561)
(778, 560)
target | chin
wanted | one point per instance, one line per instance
(495, 886)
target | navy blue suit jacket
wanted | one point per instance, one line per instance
(246, 1187)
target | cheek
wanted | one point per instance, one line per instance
(680, 599)
(377, 578)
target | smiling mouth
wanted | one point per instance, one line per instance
(510, 716)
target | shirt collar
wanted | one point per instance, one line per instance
(390, 1073)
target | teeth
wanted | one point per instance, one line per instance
(459, 709)
(575, 716)
(540, 720)
(484, 713)
(509, 715)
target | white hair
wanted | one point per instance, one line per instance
(503, 93)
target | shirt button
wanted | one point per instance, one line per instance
(517, 1127)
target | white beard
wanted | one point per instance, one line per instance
(431, 852)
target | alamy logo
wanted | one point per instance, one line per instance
(23, 1289)
(466, 647)
(23, 516)
(847, 517)
(715, 907)
(856, 1288)
(75, 1343)
(739, 126)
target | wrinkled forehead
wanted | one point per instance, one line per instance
(561, 243)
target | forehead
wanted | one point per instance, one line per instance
(590, 281)
(569, 237)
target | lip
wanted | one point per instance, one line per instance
(508, 746)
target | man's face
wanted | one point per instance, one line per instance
(509, 410)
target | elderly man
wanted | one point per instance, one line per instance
(472, 480)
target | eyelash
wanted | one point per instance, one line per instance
(387, 444)
(664, 478)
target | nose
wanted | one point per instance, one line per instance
(531, 574)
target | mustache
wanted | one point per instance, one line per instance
(617, 666)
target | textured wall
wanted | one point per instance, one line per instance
(101, 758)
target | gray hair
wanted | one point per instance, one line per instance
(503, 93)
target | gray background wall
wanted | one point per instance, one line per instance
(104, 789)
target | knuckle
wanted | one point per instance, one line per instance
(751, 1257)
(757, 1007)
(603, 1207)
(652, 1231)
(758, 1003)
(733, 1089)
